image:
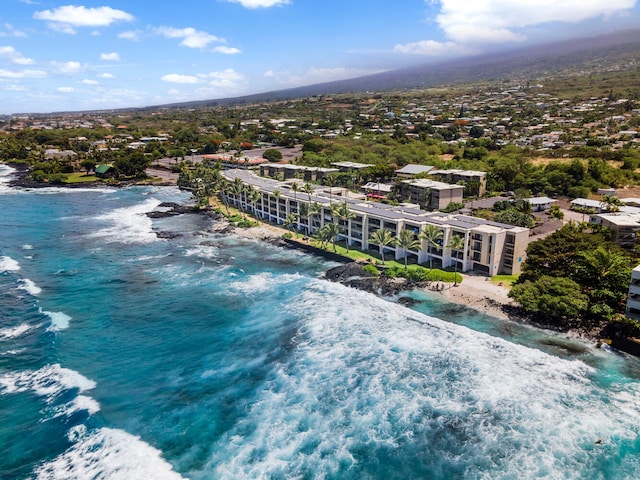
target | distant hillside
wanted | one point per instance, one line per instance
(567, 57)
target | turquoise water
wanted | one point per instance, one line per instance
(206, 356)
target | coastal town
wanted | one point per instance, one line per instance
(491, 168)
(278, 239)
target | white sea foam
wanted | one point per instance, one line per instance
(67, 190)
(5, 176)
(78, 404)
(130, 224)
(27, 246)
(261, 283)
(107, 453)
(30, 287)
(8, 264)
(207, 252)
(49, 381)
(380, 377)
(16, 351)
(59, 320)
(15, 332)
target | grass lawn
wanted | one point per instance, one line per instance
(78, 177)
(506, 280)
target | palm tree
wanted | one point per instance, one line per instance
(277, 194)
(315, 209)
(237, 188)
(431, 234)
(331, 181)
(610, 203)
(255, 197)
(295, 188)
(601, 264)
(223, 188)
(407, 241)
(291, 221)
(308, 189)
(342, 212)
(456, 243)
(381, 237)
(304, 214)
(332, 230)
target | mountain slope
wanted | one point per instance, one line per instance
(606, 51)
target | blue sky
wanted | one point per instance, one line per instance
(56, 55)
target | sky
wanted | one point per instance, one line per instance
(90, 55)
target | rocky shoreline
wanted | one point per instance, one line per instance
(482, 297)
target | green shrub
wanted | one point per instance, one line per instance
(38, 176)
(287, 235)
(371, 269)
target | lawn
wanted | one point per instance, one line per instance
(78, 177)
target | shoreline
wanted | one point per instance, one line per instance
(475, 292)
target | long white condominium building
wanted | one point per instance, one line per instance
(490, 248)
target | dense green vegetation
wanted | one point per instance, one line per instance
(575, 278)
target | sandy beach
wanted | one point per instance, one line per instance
(479, 293)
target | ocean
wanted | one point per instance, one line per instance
(207, 356)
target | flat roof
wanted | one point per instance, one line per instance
(415, 169)
(426, 183)
(381, 210)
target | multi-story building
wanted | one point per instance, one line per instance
(474, 181)
(489, 247)
(285, 171)
(633, 300)
(430, 194)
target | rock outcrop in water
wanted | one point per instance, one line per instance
(354, 275)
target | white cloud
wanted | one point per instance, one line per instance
(68, 68)
(87, 81)
(66, 89)
(468, 24)
(493, 21)
(22, 74)
(176, 78)
(107, 75)
(317, 75)
(226, 50)
(65, 18)
(9, 30)
(431, 48)
(191, 37)
(226, 77)
(110, 57)
(14, 56)
(15, 88)
(259, 3)
(131, 35)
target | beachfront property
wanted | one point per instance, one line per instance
(490, 248)
(633, 300)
